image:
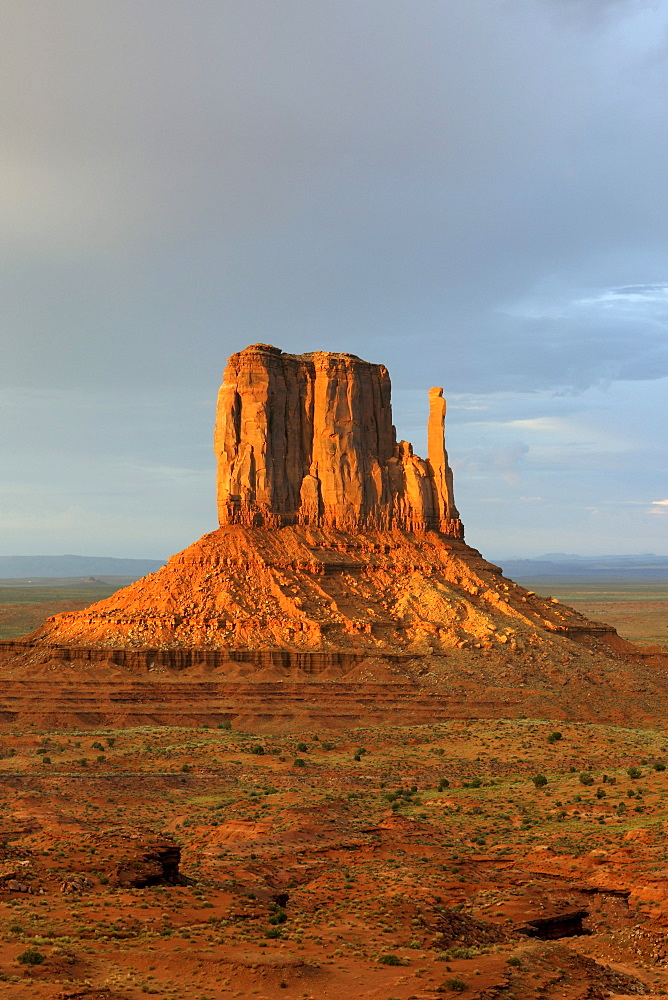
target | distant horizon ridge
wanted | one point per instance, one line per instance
(72, 565)
(555, 565)
(69, 565)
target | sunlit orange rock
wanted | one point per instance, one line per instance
(308, 439)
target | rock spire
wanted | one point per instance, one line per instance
(308, 439)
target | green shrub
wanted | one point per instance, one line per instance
(659, 766)
(600, 793)
(273, 932)
(539, 780)
(299, 762)
(301, 748)
(31, 957)
(391, 960)
(443, 784)
(634, 772)
(554, 737)
(454, 985)
(225, 725)
(586, 778)
(257, 748)
(514, 961)
(458, 951)
(185, 767)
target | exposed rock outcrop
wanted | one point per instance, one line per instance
(308, 439)
(151, 862)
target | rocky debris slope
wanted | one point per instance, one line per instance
(311, 589)
(273, 627)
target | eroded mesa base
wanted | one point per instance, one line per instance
(273, 690)
(278, 629)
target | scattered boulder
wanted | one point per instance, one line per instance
(15, 886)
(13, 870)
(75, 883)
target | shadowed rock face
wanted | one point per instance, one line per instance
(559, 926)
(308, 439)
(151, 862)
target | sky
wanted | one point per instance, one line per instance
(472, 192)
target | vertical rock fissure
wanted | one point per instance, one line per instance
(308, 439)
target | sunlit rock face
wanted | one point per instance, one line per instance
(308, 439)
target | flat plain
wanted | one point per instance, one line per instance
(636, 608)
(24, 604)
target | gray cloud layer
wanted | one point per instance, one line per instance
(465, 191)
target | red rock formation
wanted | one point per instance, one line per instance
(324, 570)
(438, 457)
(308, 439)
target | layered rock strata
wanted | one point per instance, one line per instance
(308, 439)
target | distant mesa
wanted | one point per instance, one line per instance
(555, 565)
(27, 567)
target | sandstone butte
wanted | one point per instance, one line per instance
(337, 587)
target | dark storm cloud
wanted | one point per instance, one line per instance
(461, 188)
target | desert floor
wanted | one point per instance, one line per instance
(385, 863)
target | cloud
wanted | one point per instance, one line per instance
(473, 194)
